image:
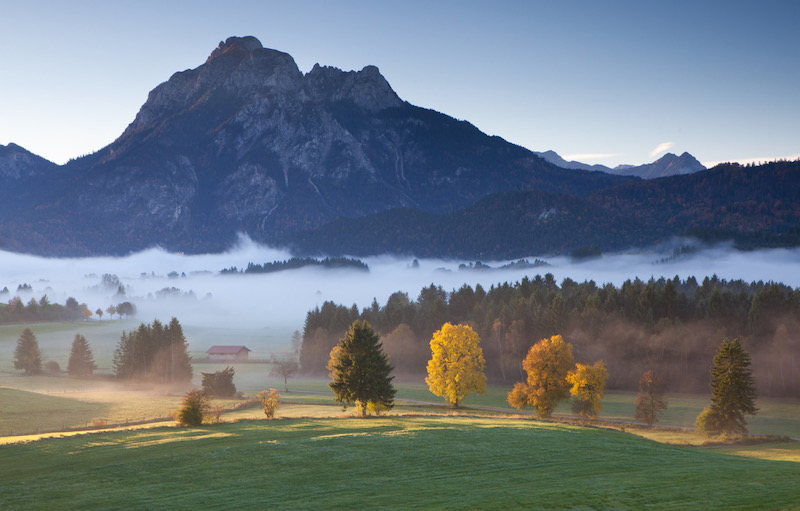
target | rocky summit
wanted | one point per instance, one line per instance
(247, 143)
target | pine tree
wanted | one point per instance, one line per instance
(81, 360)
(360, 371)
(733, 391)
(27, 355)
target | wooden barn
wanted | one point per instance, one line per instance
(228, 353)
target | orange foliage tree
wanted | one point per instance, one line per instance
(547, 364)
(588, 383)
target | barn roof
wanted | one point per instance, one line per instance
(226, 350)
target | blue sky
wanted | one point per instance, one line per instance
(602, 82)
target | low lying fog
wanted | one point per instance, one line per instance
(278, 302)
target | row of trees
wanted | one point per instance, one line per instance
(154, 352)
(672, 326)
(361, 375)
(17, 311)
(298, 262)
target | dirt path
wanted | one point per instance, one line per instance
(22, 439)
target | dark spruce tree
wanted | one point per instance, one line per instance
(155, 353)
(81, 360)
(733, 391)
(27, 355)
(360, 371)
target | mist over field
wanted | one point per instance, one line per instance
(191, 288)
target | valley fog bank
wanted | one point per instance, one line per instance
(272, 305)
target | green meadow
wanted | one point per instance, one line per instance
(402, 462)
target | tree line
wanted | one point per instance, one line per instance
(43, 311)
(300, 262)
(670, 325)
(152, 352)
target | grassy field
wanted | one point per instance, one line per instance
(317, 456)
(405, 462)
(57, 402)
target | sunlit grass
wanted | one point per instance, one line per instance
(121, 404)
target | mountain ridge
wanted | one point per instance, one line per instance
(754, 206)
(247, 143)
(668, 165)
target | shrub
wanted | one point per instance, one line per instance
(220, 383)
(707, 422)
(194, 408)
(270, 399)
(52, 367)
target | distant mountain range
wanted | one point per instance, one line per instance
(667, 165)
(335, 162)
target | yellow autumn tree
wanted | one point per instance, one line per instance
(588, 383)
(547, 364)
(456, 366)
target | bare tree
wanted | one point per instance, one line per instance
(285, 368)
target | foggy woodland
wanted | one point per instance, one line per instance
(672, 326)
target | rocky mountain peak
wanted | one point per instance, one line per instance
(366, 88)
(246, 44)
(17, 162)
(239, 67)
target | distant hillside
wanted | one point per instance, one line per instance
(505, 225)
(729, 196)
(757, 206)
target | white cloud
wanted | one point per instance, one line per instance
(662, 148)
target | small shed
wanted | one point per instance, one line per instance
(228, 353)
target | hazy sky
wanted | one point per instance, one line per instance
(602, 82)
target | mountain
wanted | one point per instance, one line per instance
(18, 164)
(554, 158)
(247, 143)
(667, 165)
(754, 206)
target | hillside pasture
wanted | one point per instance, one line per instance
(407, 462)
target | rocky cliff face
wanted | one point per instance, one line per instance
(248, 143)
